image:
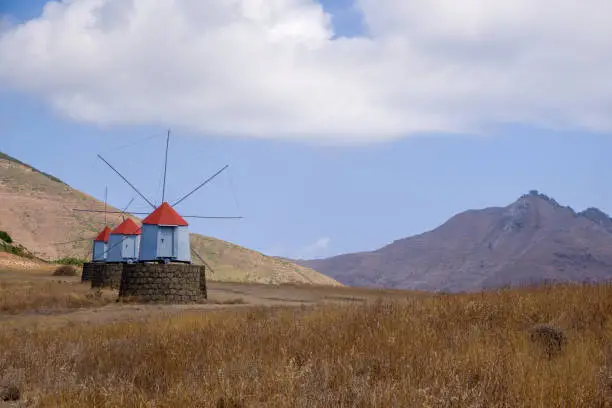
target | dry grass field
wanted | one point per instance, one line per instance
(293, 346)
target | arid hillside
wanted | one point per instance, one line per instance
(532, 240)
(36, 210)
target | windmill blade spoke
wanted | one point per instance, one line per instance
(212, 218)
(95, 211)
(201, 185)
(165, 167)
(105, 201)
(146, 213)
(123, 212)
(114, 246)
(71, 242)
(203, 261)
(126, 180)
(111, 212)
(128, 204)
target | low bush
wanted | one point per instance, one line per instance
(4, 236)
(70, 261)
(65, 270)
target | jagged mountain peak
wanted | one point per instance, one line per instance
(597, 216)
(532, 239)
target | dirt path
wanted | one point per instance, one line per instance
(221, 296)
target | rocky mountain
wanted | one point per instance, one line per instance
(36, 210)
(532, 240)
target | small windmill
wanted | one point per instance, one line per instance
(164, 234)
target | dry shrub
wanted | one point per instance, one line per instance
(9, 393)
(229, 402)
(10, 384)
(550, 338)
(443, 351)
(65, 270)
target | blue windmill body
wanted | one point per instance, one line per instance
(100, 245)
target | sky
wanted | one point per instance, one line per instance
(346, 124)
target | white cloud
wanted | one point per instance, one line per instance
(317, 249)
(269, 68)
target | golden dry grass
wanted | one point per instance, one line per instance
(45, 295)
(439, 351)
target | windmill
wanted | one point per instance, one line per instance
(164, 234)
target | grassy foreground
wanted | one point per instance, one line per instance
(441, 351)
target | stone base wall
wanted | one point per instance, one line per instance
(203, 290)
(94, 270)
(88, 268)
(170, 283)
(107, 276)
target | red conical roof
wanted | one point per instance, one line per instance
(127, 227)
(103, 236)
(165, 215)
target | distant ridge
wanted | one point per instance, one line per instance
(4, 156)
(532, 240)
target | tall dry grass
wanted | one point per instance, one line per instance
(443, 351)
(40, 296)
